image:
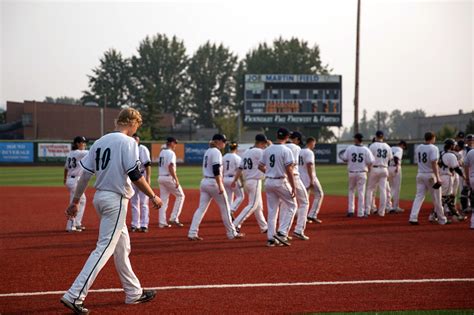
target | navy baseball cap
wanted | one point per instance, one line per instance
(402, 142)
(171, 139)
(80, 139)
(469, 137)
(261, 138)
(282, 132)
(219, 136)
(358, 136)
(296, 135)
(461, 134)
(379, 133)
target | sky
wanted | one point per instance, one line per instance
(415, 54)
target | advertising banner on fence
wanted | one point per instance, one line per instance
(53, 151)
(156, 149)
(325, 153)
(194, 152)
(16, 152)
(341, 148)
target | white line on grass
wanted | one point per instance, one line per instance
(256, 285)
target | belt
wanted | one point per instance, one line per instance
(274, 177)
(164, 175)
(357, 171)
(209, 177)
(72, 176)
(379, 166)
(229, 175)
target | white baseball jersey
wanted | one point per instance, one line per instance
(249, 163)
(398, 153)
(358, 158)
(469, 162)
(424, 155)
(276, 158)
(449, 161)
(72, 162)
(144, 157)
(212, 157)
(306, 158)
(382, 153)
(295, 150)
(110, 171)
(166, 158)
(231, 162)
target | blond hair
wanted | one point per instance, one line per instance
(128, 116)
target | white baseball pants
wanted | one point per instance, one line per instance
(447, 184)
(71, 184)
(302, 202)
(167, 187)
(318, 196)
(113, 240)
(209, 191)
(377, 177)
(471, 181)
(140, 208)
(393, 187)
(279, 193)
(357, 181)
(237, 192)
(424, 184)
(254, 191)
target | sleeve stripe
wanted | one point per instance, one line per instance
(131, 168)
(85, 168)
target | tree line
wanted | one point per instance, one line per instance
(206, 86)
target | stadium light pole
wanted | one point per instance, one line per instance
(356, 92)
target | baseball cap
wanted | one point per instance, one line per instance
(358, 136)
(402, 142)
(296, 135)
(449, 141)
(282, 132)
(171, 139)
(461, 134)
(379, 133)
(219, 136)
(469, 136)
(261, 138)
(80, 139)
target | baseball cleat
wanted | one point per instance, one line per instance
(239, 235)
(195, 238)
(350, 214)
(146, 296)
(162, 226)
(176, 223)
(143, 229)
(133, 228)
(414, 222)
(264, 231)
(74, 230)
(80, 227)
(76, 308)
(301, 236)
(272, 243)
(282, 239)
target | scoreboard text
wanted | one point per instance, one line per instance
(305, 99)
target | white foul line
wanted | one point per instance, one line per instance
(255, 285)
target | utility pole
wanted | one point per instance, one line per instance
(356, 92)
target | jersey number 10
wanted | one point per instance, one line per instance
(105, 158)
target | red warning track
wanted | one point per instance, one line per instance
(39, 256)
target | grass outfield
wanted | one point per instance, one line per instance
(333, 178)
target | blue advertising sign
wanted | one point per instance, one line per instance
(16, 152)
(194, 152)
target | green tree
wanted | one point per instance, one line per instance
(470, 127)
(447, 131)
(109, 84)
(228, 126)
(62, 100)
(211, 72)
(159, 80)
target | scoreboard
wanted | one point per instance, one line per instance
(293, 99)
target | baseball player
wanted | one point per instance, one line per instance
(169, 184)
(277, 163)
(231, 164)
(378, 173)
(466, 192)
(253, 183)
(310, 180)
(301, 193)
(427, 179)
(114, 160)
(359, 160)
(212, 187)
(139, 201)
(448, 168)
(395, 178)
(469, 171)
(72, 172)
